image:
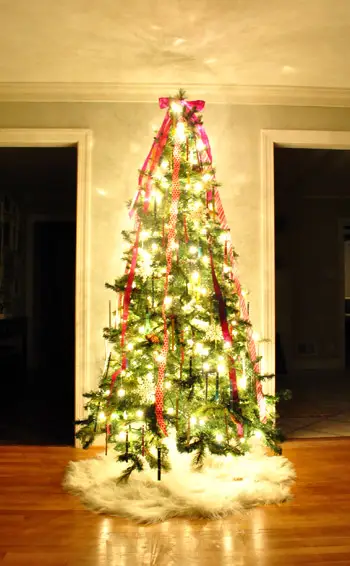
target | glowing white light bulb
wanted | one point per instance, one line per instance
(193, 420)
(242, 383)
(244, 293)
(144, 235)
(242, 439)
(154, 247)
(227, 345)
(121, 392)
(107, 392)
(200, 145)
(258, 434)
(206, 177)
(198, 186)
(180, 131)
(193, 250)
(129, 346)
(219, 437)
(168, 300)
(122, 435)
(187, 307)
(205, 259)
(203, 291)
(158, 174)
(227, 268)
(167, 385)
(223, 237)
(195, 276)
(190, 342)
(170, 411)
(201, 422)
(125, 415)
(256, 336)
(146, 256)
(176, 107)
(158, 197)
(139, 413)
(114, 416)
(101, 416)
(142, 330)
(221, 368)
(164, 164)
(206, 366)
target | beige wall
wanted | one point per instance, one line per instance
(122, 137)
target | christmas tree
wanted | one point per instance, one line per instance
(181, 357)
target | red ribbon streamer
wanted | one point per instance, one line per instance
(150, 164)
(145, 183)
(244, 311)
(154, 155)
(206, 157)
(226, 335)
(221, 303)
(128, 288)
(169, 256)
(126, 304)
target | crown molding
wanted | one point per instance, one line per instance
(215, 94)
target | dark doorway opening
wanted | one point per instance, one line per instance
(37, 295)
(312, 199)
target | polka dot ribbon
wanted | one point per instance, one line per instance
(175, 195)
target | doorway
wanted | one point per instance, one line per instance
(37, 319)
(311, 196)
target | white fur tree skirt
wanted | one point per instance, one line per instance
(226, 485)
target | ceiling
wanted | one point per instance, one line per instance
(222, 42)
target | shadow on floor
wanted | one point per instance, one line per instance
(37, 409)
(320, 405)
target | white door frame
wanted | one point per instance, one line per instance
(309, 139)
(82, 139)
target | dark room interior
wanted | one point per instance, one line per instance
(38, 189)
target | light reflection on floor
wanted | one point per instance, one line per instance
(185, 543)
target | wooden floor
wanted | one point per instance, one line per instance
(41, 525)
